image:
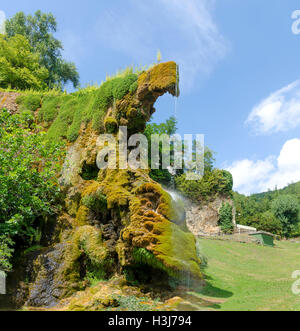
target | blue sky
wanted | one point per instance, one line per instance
(239, 64)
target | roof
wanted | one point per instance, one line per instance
(262, 232)
(239, 226)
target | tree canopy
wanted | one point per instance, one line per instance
(39, 29)
(286, 209)
(19, 66)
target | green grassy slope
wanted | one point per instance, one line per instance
(251, 277)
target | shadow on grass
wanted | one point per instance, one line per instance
(211, 291)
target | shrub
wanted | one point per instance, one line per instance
(28, 178)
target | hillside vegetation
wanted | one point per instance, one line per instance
(273, 211)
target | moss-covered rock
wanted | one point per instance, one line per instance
(113, 221)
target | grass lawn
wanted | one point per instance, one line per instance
(250, 277)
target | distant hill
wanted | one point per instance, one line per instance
(292, 189)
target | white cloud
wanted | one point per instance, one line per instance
(2, 22)
(259, 176)
(279, 112)
(183, 30)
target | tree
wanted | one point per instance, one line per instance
(39, 29)
(286, 209)
(19, 66)
(225, 218)
(28, 179)
(169, 128)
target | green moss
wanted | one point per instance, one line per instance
(161, 76)
(116, 188)
(29, 102)
(111, 125)
(69, 112)
(144, 257)
(121, 86)
(86, 243)
(172, 248)
(96, 202)
(176, 249)
(50, 108)
(133, 87)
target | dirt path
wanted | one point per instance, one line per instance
(8, 101)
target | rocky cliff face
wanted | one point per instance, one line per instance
(113, 221)
(204, 219)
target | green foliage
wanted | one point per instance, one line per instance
(38, 29)
(95, 276)
(133, 87)
(6, 252)
(169, 127)
(50, 108)
(28, 182)
(261, 210)
(122, 85)
(213, 183)
(286, 209)
(19, 65)
(268, 222)
(225, 218)
(29, 102)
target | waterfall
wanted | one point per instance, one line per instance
(176, 197)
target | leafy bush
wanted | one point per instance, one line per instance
(28, 178)
(5, 253)
(225, 218)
